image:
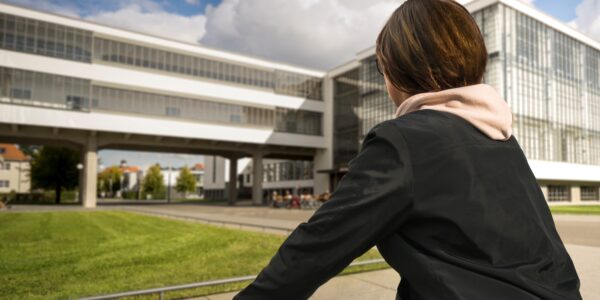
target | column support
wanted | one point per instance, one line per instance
(257, 178)
(232, 187)
(88, 185)
(575, 194)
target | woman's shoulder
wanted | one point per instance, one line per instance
(429, 129)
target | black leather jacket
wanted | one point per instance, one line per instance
(457, 214)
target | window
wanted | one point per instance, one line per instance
(173, 111)
(5, 166)
(75, 102)
(559, 193)
(4, 183)
(590, 193)
(2, 150)
(20, 93)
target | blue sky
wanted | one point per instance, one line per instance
(180, 7)
(319, 34)
(563, 10)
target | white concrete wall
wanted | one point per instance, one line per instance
(153, 126)
(17, 177)
(216, 179)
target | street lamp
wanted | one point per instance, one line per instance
(77, 195)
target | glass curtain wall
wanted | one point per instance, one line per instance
(375, 105)
(550, 80)
(346, 120)
(49, 39)
(552, 87)
(46, 90)
(43, 38)
(49, 90)
(288, 170)
(128, 101)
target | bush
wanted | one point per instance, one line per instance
(45, 197)
(133, 195)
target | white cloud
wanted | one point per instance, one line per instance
(193, 2)
(588, 18)
(148, 17)
(318, 34)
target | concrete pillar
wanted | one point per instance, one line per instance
(87, 188)
(575, 194)
(257, 179)
(232, 186)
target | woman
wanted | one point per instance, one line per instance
(443, 190)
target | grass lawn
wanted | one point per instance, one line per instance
(579, 210)
(60, 255)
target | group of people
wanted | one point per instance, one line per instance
(300, 201)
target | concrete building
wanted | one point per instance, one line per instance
(170, 175)
(547, 71)
(14, 170)
(72, 82)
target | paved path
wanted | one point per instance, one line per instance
(382, 284)
(581, 234)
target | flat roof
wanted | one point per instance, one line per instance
(158, 42)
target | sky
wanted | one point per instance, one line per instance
(317, 34)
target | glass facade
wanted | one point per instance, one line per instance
(38, 37)
(128, 101)
(48, 90)
(298, 121)
(345, 118)
(375, 105)
(49, 39)
(551, 89)
(281, 82)
(287, 170)
(550, 80)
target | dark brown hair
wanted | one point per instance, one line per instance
(431, 45)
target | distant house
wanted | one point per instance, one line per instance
(132, 178)
(198, 171)
(14, 170)
(170, 175)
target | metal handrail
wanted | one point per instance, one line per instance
(162, 290)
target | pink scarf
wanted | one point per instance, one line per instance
(479, 104)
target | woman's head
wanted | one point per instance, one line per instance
(430, 45)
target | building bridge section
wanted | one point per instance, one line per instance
(90, 132)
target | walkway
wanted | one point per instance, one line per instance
(580, 233)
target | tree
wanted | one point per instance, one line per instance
(186, 182)
(55, 168)
(109, 180)
(154, 182)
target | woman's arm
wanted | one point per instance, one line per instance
(370, 202)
